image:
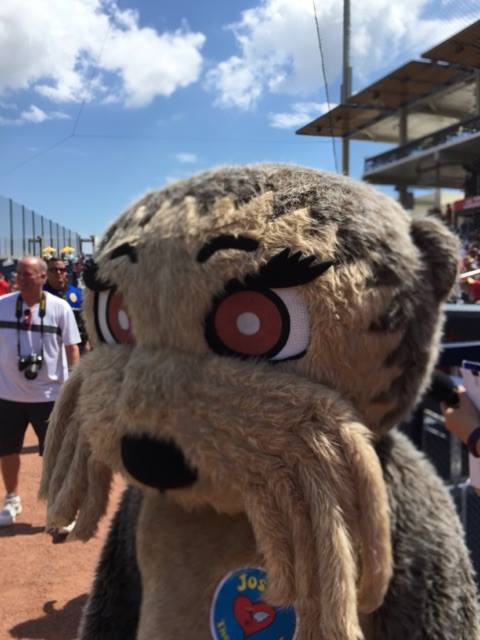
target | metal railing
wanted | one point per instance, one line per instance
(443, 138)
(25, 232)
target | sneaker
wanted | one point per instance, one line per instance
(11, 509)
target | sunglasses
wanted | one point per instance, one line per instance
(57, 270)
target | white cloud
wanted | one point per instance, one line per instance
(186, 157)
(56, 47)
(238, 83)
(302, 113)
(278, 52)
(152, 65)
(33, 115)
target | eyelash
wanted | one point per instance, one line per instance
(284, 269)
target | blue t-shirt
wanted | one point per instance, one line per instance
(72, 295)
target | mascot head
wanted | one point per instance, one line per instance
(255, 329)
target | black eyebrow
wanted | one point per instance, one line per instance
(284, 269)
(125, 249)
(91, 279)
(226, 242)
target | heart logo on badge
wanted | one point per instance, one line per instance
(238, 611)
(252, 616)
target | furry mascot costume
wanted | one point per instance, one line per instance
(257, 332)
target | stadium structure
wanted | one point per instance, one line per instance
(429, 109)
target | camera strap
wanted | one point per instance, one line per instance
(19, 313)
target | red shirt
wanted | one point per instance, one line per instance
(4, 287)
(475, 290)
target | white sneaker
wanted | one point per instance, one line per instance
(11, 509)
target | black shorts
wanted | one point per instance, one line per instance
(14, 420)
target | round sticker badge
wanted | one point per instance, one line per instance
(73, 297)
(238, 611)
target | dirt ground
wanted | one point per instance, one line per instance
(43, 586)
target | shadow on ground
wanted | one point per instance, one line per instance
(20, 529)
(56, 624)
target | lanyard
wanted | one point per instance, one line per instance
(41, 312)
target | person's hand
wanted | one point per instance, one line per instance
(462, 420)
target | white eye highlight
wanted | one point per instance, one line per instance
(123, 320)
(248, 323)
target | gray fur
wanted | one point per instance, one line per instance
(113, 607)
(428, 553)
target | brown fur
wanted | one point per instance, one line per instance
(291, 445)
(310, 492)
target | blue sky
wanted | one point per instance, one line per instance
(102, 100)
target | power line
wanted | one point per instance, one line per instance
(148, 136)
(36, 155)
(327, 93)
(95, 66)
(72, 134)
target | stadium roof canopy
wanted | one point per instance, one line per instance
(462, 48)
(434, 94)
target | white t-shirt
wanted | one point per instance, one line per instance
(59, 329)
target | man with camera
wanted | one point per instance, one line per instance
(38, 345)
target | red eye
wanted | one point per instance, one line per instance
(249, 323)
(113, 322)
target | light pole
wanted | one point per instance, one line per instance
(346, 82)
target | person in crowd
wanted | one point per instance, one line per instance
(435, 212)
(449, 215)
(464, 422)
(13, 281)
(38, 345)
(466, 264)
(58, 284)
(77, 270)
(4, 286)
(474, 289)
(473, 253)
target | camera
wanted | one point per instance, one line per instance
(30, 365)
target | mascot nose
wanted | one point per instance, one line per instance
(157, 463)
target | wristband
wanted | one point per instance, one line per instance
(472, 441)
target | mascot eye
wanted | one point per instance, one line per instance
(113, 323)
(269, 323)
